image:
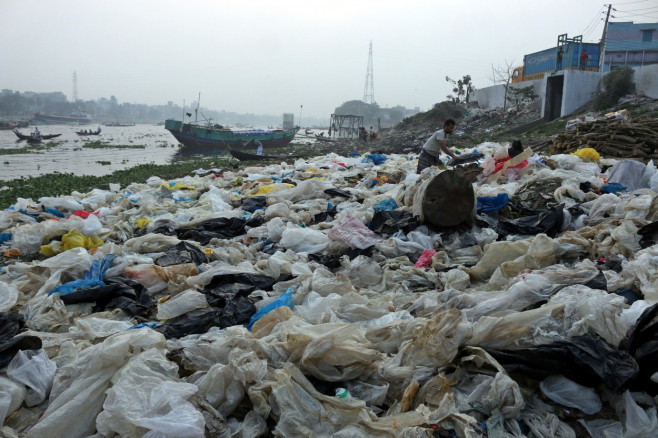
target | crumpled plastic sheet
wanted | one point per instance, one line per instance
(437, 347)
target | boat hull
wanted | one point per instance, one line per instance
(216, 139)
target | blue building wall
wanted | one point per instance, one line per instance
(631, 44)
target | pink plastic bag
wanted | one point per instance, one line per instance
(425, 259)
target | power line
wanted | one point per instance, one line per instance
(627, 17)
(639, 1)
(655, 8)
(594, 20)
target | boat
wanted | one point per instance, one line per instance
(34, 139)
(246, 156)
(210, 138)
(77, 117)
(242, 155)
(27, 137)
(96, 132)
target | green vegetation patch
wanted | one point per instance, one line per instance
(100, 145)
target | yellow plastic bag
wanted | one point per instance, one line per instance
(263, 190)
(141, 222)
(176, 186)
(587, 154)
(72, 239)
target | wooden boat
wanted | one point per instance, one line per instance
(215, 137)
(27, 137)
(243, 155)
(96, 132)
(34, 140)
(246, 156)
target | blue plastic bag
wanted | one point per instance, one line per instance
(375, 158)
(74, 285)
(386, 205)
(494, 203)
(283, 300)
(55, 212)
(99, 267)
(613, 187)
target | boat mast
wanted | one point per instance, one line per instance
(196, 111)
(183, 119)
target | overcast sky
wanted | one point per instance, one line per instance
(273, 56)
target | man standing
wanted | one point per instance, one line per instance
(583, 59)
(259, 147)
(559, 59)
(429, 154)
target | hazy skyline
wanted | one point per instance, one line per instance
(271, 57)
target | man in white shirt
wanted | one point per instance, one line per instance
(259, 147)
(429, 155)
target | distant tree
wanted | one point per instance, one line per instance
(503, 75)
(521, 96)
(462, 89)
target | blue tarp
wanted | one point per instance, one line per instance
(493, 203)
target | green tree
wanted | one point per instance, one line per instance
(462, 89)
(520, 96)
(614, 85)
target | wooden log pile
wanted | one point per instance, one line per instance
(612, 138)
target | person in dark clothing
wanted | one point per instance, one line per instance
(560, 54)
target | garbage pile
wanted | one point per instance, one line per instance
(615, 135)
(313, 299)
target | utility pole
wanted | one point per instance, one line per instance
(603, 40)
(75, 87)
(369, 89)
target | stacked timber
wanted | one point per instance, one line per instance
(612, 138)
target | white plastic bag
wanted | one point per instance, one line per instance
(33, 369)
(569, 393)
(184, 302)
(303, 240)
(12, 395)
(8, 296)
(353, 232)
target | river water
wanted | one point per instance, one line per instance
(67, 154)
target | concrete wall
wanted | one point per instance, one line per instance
(494, 96)
(579, 88)
(646, 80)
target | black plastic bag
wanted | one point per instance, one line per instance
(548, 222)
(8, 349)
(253, 203)
(220, 228)
(183, 252)
(338, 192)
(194, 322)
(120, 293)
(11, 324)
(389, 222)
(238, 310)
(587, 360)
(641, 342)
(649, 234)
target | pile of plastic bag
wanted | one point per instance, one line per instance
(305, 299)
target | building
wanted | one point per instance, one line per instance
(629, 44)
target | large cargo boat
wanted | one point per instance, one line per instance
(216, 137)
